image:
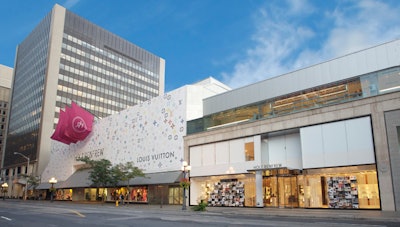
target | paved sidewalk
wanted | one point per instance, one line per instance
(288, 212)
(372, 215)
(314, 213)
(377, 215)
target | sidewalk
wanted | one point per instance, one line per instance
(313, 213)
(373, 215)
(376, 215)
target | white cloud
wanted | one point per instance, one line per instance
(359, 26)
(286, 40)
(70, 3)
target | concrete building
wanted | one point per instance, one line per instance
(326, 136)
(67, 58)
(5, 87)
(149, 134)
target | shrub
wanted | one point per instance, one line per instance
(200, 207)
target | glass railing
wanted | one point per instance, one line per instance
(371, 84)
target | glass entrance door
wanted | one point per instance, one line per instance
(288, 195)
(280, 191)
(270, 190)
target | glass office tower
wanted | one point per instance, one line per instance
(67, 58)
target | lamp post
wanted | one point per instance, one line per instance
(52, 181)
(185, 170)
(4, 187)
(27, 167)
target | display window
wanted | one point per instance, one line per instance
(94, 194)
(139, 194)
(354, 187)
(232, 190)
(63, 194)
(340, 189)
(175, 195)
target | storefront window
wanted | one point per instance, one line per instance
(233, 190)
(341, 190)
(354, 187)
(249, 151)
(91, 194)
(175, 195)
(313, 192)
(139, 194)
(63, 194)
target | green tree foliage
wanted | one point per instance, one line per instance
(104, 174)
(101, 173)
(32, 181)
(127, 171)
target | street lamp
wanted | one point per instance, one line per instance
(27, 167)
(185, 170)
(52, 181)
(4, 187)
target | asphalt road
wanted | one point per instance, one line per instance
(42, 214)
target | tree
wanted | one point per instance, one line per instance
(34, 181)
(127, 171)
(31, 180)
(104, 174)
(101, 173)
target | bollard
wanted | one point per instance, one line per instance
(116, 203)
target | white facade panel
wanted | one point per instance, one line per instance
(334, 144)
(223, 161)
(285, 150)
(236, 151)
(393, 56)
(338, 144)
(293, 151)
(222, 153)
(277, 152)
(208, 154)
(312, 148)
(330, 71)
(257, 148)
(359, 141)
(195, 156)
(264, 152)
(381, 57)
(360, 63)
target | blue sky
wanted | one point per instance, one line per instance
(238, 42)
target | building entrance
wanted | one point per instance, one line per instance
(280, 188)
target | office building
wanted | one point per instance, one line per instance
(325, 136)
(5, 90)
(67, 58)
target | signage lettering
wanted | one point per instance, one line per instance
(92, 154)
(268, 166)
(154, 157)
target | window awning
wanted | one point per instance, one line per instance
(45, 186)
(155, 178)
(80, 179)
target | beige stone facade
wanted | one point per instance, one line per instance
(375, 107)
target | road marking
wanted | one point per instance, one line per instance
(8, 219)
(77, 213)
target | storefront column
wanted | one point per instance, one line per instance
(382, 159)
(259, 189)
